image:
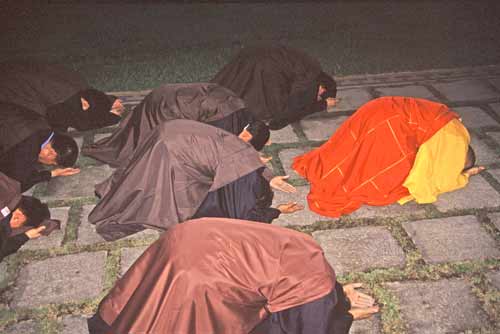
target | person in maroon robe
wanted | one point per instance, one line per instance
(228, 276)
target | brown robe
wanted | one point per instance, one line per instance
(169, 176)
(202, 102)
(217, 276)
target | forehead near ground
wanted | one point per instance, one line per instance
(433, 268)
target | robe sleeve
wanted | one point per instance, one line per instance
(10, 245)
(301, 103)
(438, 165)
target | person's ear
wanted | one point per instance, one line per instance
(85, 104)
(117, 108)
(245, 136)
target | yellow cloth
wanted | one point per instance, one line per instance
(438, 165)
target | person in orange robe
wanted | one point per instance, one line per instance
(369, 158)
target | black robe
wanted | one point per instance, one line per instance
(169, 176)
(53, 92)
(249, 198)
(278, 84)
(202, 102)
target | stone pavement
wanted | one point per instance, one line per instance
(433, 268)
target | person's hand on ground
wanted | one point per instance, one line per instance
(64, 171)
(35, 232)
(331, 102)
(279, 182)
(265, 160)
(363, 313)
(290, 207)
(358, 299)
(474, 170)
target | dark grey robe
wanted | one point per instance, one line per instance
(202, 102)
(169, 176)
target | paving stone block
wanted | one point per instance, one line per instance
(495, 219)
(496, 107)
(484, 154)
(495, 279)
(466, 90)
(87, 234)
(79, 185)
(495, 136)
(299, 218)
(60, 279)
(360, 248)
(442, 307)
(411, 90)
(393, 210)
(477, 194)
(495, 82)
(452, 239)
(286, 158)
(351, 99)
(495, 173)
(24, 327)
(321, 129)
(99, 136)
(368, 326)
(55, 239)
(285, 135)
(74, 324)
(129, 255)
(475, 117)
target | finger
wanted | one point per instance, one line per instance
(356, 285)
(284, 177)
(41, 228)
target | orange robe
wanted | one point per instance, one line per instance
(369, 157)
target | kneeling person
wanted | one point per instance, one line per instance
(226, 276)
(21, 217)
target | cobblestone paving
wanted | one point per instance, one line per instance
(433, 268)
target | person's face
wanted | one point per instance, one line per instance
(47, 155)
(321, 90)
(18, 219)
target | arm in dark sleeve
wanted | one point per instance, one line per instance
(301, 103)
(34, 178)
(11, 245)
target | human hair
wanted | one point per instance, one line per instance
(66, 149)
(470, 159)
(260, 134)
(34, 210)
(329, 84)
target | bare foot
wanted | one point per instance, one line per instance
(363, 313)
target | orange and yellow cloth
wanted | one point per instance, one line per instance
(369, 158)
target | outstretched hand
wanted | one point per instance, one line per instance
(265, 160)
(35, 232)
(64, 171)
(474, 170)
(358, 299)
(279, 182)
(290, 207)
